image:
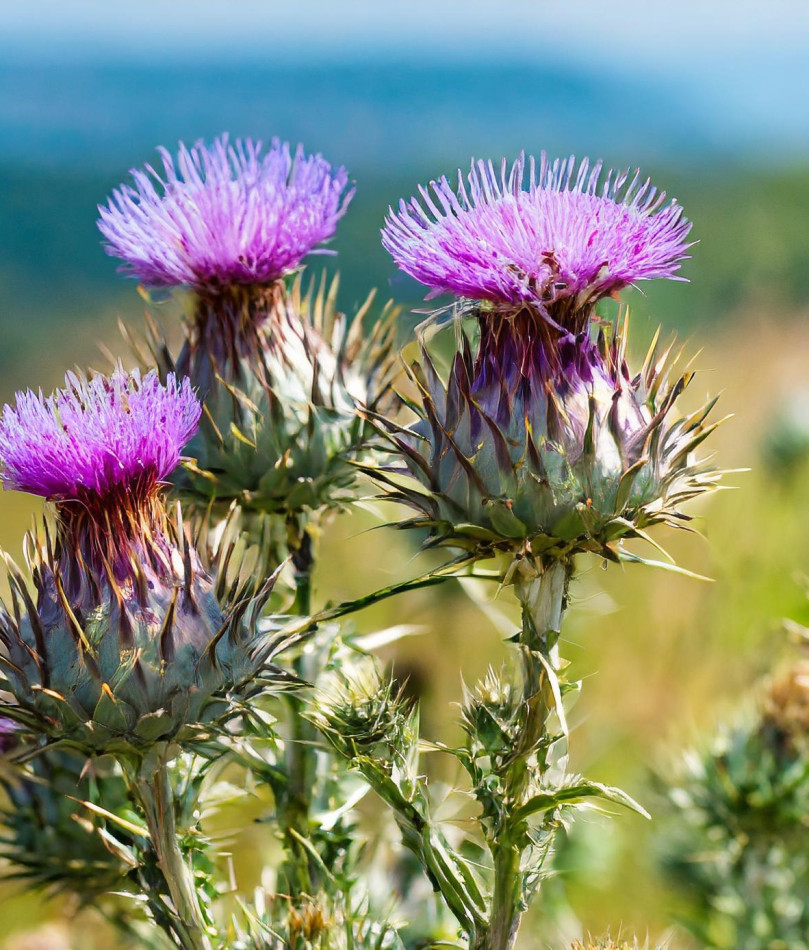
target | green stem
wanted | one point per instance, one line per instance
(543, 597)
(506, 911)
(443, 866)
(301, 758)
(153, 789)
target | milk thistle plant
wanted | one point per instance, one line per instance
(131, 647)
(281, 371)
(539, 445)
(148, 650)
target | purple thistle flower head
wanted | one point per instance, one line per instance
(556, 243)
(118, 434)
(224, 214)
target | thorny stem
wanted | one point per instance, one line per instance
(153, 789)
(301, 757)
(543, 596)
(435, 855)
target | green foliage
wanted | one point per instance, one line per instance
(371, 723)
(516, 769)
(69, 826)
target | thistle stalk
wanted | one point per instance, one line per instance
(543, 598)
(506, 899)
(151, 784)
(301, 758)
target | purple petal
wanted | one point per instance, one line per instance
(560, 237)
(224, 214)
(96, 434)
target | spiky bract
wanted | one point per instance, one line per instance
(565, 240)
(110, 661)
(282, 429)
(363, 713)
(228, 213)
(572, 458)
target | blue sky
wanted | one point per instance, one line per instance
(648, 33)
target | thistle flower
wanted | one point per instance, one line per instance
(541, 434)
(229, 221)
(130, 639)
(281, 372)
(99, 449)
(556, 246)
(228, 214)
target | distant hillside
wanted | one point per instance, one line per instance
(69, 134)
(374, 116)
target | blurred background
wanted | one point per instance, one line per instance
(708, 97)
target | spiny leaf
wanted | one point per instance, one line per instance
(574, 795)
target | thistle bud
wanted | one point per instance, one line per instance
(492, 716)
(316, 922)
(735, 842)
(366, 714)
(540, 435)
(128, 640)
(280, 370)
